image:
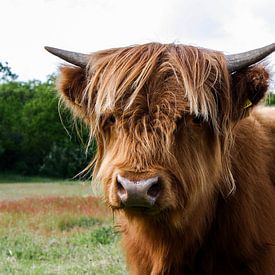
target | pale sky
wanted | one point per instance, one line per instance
(91, 25)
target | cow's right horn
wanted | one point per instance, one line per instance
(78, 59)
(241, 60)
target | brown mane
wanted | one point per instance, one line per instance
(195, 74)
(123, 72)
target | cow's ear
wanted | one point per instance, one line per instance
(249, 87)
(71, 84)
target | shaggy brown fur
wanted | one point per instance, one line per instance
(174, 112)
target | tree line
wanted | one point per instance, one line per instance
(35, 137)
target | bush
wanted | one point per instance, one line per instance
(271, 99)
(33, 140)
(103, 235)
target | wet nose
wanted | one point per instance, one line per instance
(141, 193)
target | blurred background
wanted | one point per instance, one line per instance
(50, 224)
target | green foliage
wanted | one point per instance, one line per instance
(271, 99)
(103, 235)
(6, 74)
(33, 140)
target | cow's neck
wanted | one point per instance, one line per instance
(169, 240)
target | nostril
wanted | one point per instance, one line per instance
(154, 190)
(120, 188)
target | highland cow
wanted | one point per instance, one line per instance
(186, 157)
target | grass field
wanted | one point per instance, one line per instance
(56, 228)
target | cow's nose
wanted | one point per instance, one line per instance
(141, 193)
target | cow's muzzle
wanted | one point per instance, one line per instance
(140, 193)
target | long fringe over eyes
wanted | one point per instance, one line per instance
(118, 77)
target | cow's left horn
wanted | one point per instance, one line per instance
(241, 60)
(78, 59)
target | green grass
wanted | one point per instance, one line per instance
(69, 223)
(11, 191)
(17, 187)
(15, 178)
(56, 235)
(94, 252)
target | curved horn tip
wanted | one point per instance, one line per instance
(47, 48)
(51, 50)
(75, 58)
(238, 61)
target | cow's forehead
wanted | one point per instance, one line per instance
(155, 102)
(167, 81)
